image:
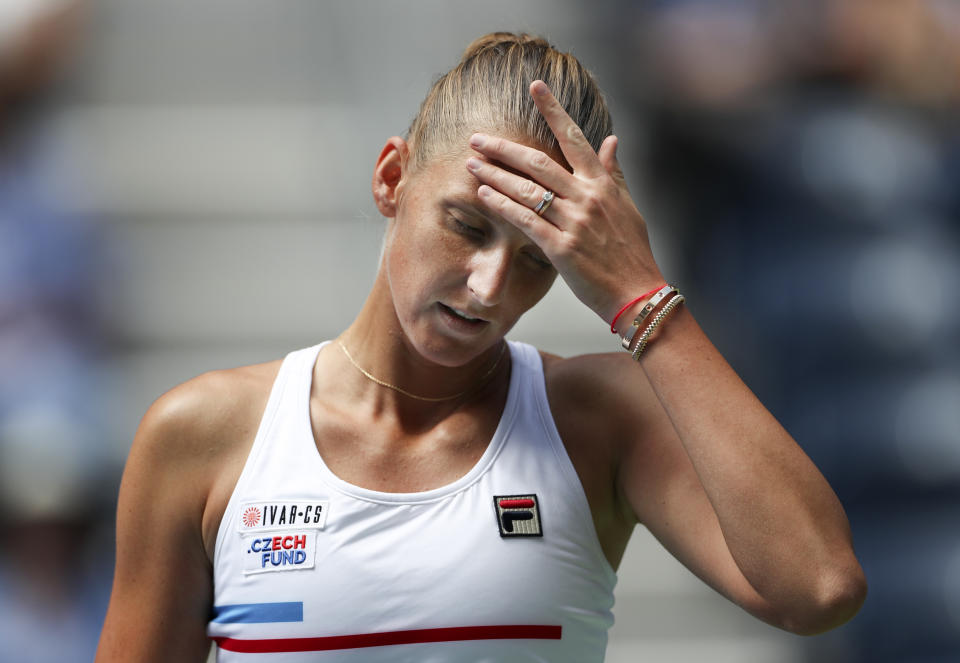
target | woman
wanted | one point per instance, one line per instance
(421, 490)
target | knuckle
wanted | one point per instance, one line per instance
(527, 218)
(577, 223)
(528, 189)
(539, 161)
(592, 205)
(567, 245)
(575, 134)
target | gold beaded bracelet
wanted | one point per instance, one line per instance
(667, 309)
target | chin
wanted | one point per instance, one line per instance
(453, 353)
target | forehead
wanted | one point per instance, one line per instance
(448, 163)
(446, 180)
(447, 170)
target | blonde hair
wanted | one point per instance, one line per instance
(489, 90)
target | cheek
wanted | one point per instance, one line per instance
(531, 287)
(544, 283)
(402, 247)
(430, 249)
(417, 260)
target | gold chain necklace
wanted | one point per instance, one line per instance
(429, 399)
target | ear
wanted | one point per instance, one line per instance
(388, 175)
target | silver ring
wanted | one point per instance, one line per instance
(544, 203)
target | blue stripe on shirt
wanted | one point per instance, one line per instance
(258, 613)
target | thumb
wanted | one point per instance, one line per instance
(608, 157)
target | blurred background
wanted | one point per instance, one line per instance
(185, 186)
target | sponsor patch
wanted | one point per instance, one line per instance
(279, 551)
(285, 515)
(518, 515)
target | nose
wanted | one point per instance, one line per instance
(489, 275)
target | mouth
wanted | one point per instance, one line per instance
(462, 319)
(462, 314)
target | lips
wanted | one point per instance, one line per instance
(462, 314)
(461, 320)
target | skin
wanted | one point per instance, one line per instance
(677, 443)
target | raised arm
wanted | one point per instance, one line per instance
(706, 466)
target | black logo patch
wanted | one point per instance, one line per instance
(518, 515)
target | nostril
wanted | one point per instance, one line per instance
(488, 279)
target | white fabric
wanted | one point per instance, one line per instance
(386, 562)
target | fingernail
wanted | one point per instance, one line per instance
(484, 191)
(477, 140)
(473, 164)
(540, 88)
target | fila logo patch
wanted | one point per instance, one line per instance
(518, 515)
(286, 514)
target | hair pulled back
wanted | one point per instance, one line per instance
(489, 90)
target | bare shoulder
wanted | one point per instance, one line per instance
(200, 409)
(199, 434)
(198, 424)
(606, 403)
(583, 403)
(606, 388)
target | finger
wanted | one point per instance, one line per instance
(574, 145)
(521, 189)
(535, 163)
(608, 157)
(537, 228)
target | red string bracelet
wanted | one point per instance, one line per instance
(629, 304)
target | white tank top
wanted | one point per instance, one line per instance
(501, 565)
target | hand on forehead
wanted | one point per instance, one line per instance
(575, 151)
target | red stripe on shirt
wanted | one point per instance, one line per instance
(504, 632)
(515, 504)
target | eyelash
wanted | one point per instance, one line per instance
(465, 229)
(543, 264)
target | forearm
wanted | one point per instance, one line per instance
(782, 522)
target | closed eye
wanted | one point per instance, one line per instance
(479, 235)
(467, 230)
(539, 260)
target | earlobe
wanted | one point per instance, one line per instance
(388, 175)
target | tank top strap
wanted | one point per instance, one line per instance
(287, 404)
(538, 416)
